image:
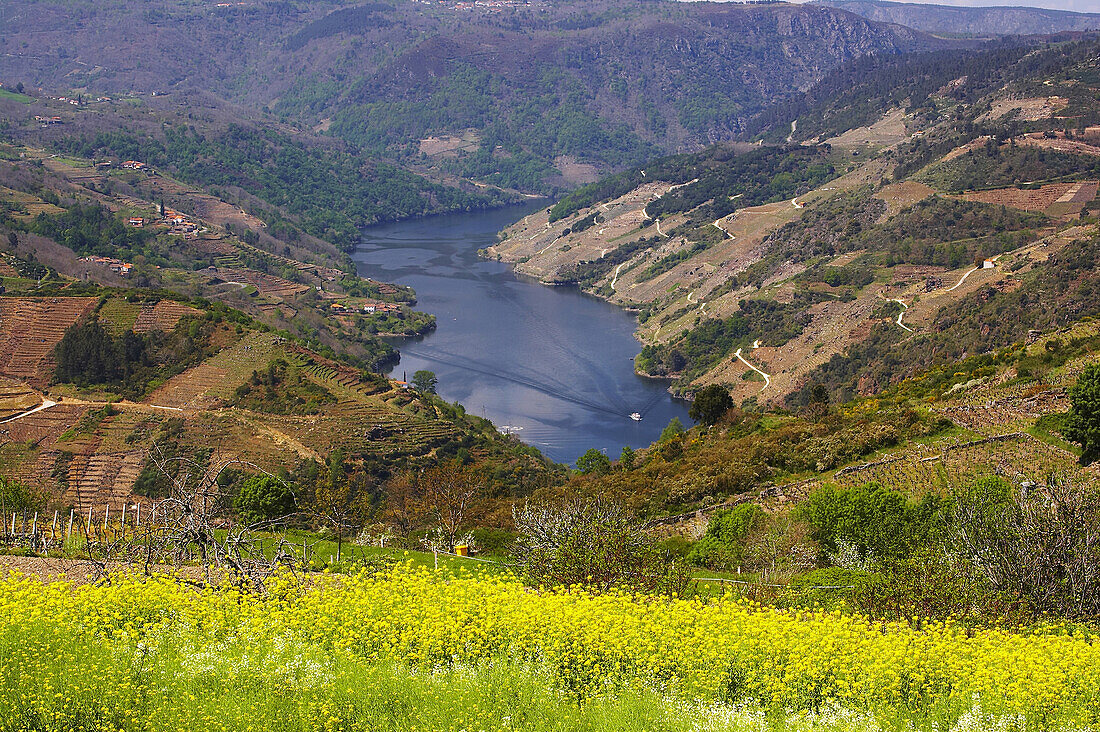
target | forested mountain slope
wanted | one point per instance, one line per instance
(538, 96)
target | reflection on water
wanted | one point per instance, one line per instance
(551, 365)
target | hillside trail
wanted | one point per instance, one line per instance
(702, 305)
(742, 359)
(645, 214)
(123, 404)
(904, 307)
(961, 280)
(46, 404)
(615, 278)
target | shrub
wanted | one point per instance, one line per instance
(1037, 542)
(879, 523)
(1084, 418)
(594, 545)
(724, 544)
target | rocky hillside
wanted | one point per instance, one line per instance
(940, 229)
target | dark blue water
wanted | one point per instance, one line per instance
(552, 365)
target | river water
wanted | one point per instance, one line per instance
(551, 364)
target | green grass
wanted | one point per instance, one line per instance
(1047, 428)
(17, 283)
(15, 96)
(628, 234)
(73, 162)
(119, 315)
(322, 552)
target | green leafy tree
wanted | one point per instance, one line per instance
(16, 496)
(711, 403)
(264, 498)
(594, 462)
(425, 381)
(1084, 414)
(674, 429)
(627, 458)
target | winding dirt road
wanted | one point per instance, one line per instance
(767, 378)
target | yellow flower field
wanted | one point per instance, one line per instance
(449, 651)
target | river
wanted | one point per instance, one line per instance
(551, 364)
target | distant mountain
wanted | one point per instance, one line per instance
(969, 21)
(536, 96)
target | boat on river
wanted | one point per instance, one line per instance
(636, 417)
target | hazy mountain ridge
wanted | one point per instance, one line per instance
(948, 19)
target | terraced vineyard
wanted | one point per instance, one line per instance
(29, 330)
(267, 284)
(16, 397)
(29, 447)
(338, 378)
(103, 478)
(118, 315)
(163, 315)
(374, 429)
(990, 409)
(1017, 456)
(1042, 198)
(217, 377)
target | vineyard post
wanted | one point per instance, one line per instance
(123, 526)
(53, 530)
(13, 524)
(89, 520)
(106, 516)
(137, 516)
(34, 526)
(72, 512)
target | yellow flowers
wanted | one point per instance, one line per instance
(160, 634)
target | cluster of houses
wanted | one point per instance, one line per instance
(115, 265)
(178, 222)
(492, 5)
(47, 121)
(133, 165)
(367, 308)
